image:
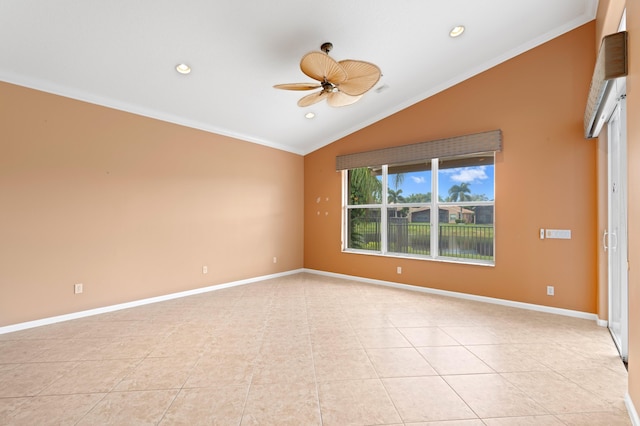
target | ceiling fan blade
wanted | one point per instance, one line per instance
(297, 86)
(338, 99)
(321, 67)
(361, 77)
(311, 99)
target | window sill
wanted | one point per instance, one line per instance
(459, 261)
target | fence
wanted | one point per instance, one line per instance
(454, 240)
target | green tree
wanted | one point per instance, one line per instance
(398, 179)
(460, 192)
(479, 197)
(394, 197)
(364, 188)
(419, 198)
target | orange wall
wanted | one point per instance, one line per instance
(132, 207)
(545, 178)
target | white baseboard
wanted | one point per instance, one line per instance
(602, 323)
(135, 303)
(633, 414)
(503, 302)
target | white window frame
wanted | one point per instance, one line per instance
(434, 205)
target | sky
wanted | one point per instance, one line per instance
(479, 178)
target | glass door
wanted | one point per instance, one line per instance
(617, 229)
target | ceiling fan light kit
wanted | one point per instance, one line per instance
(341, 82)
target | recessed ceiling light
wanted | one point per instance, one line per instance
(456, 31)
(183, 68)
(309, 115)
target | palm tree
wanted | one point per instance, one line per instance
(398, 179)
(394, 197)
(460, 193)
(364, 187)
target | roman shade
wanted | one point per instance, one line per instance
(449, 147)
(611, 64)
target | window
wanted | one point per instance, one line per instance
(390, 209)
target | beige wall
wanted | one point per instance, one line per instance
(545, 178)
(132, 207)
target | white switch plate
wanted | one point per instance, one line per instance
(77, 288)
(542, 233)
(550, 290)
(399, 269)
(205, 270)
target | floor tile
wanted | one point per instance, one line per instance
(53, 410)
(353, 402)
(399, 362)
(382, 338)
(473, 335)
(411, 320)
(428, 336)
(12, 351)
(506, 358)
(295, 367)
(158, 373)
(557, 357)
(448, 360)
(307, 349)
(524, 421)
(282, 404)
(11, 406)
(219, 405)
(91, 376)
(221, 369)
(596, 419)
(490, 395)
(556, 394)
(343, 365)
(334, 340)
(30, 379)
(420, 399)
(606, 384)
(471, 422)
(138, 407)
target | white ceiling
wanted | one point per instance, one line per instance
(123, 53)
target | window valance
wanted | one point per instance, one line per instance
(440, 148)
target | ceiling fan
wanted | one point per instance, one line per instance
(341, 82)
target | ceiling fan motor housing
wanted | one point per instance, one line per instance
(326, 47)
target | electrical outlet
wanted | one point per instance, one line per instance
(399, 269)
(77, 288)
(205, 270)
(550, 290)
(542, 233)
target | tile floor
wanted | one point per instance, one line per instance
(309, 350)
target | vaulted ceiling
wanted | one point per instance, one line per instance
(123, 54)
